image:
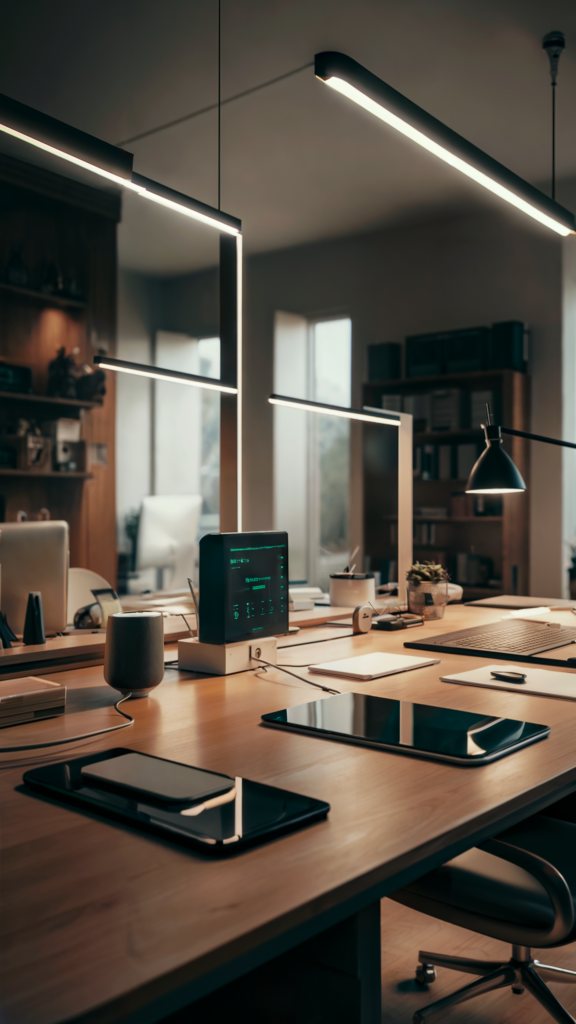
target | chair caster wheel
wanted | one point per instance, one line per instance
(425, 974)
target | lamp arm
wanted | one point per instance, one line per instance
(537, 437)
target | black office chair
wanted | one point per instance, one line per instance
(519, 887)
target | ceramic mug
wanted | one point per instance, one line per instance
(134, 657)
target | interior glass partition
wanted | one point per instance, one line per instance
(138, 423)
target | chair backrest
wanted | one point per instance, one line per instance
(81, 583)
(168, 534)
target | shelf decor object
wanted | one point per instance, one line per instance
(403, 423)
(372, 94)
(33, 137)
(427, 590)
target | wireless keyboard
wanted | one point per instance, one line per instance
(516, 639)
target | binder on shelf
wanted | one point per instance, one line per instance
(509, 346)
(446, 412)
(384, 361)
(466, 457)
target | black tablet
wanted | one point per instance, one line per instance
(420, 730)
(215, 813)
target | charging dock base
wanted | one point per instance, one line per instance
(222, 659)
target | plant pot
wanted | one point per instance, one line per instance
(428, 599)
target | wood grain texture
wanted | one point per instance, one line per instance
(70, 225)
(113, 920)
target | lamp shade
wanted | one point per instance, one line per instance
(494, 472)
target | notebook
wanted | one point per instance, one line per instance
(372, 666)
(539, 681)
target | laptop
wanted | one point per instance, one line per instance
(515, 639)
(34, 556)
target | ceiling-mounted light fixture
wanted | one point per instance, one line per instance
(373, 416)
(367, 90)
(157, 373)
(87, 153)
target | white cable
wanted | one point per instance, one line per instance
(74, 739)
(281, 668)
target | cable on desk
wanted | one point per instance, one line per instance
(268, 664)
(75, 739)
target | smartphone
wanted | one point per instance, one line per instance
(206, 811)
(139, 775)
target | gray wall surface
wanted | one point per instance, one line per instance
(459, 271)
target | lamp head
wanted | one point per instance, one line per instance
(494, 472)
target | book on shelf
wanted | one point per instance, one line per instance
(446, 409)
(444, 461)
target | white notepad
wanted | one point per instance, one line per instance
(539, 681)
(372, 666)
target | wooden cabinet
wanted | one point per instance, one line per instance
(55, 222)
(483, 543)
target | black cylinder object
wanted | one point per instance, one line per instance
(134, 658)
(34, 621)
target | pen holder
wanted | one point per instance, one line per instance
(350, 589)
(134, 658)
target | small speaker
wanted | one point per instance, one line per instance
(134, 657)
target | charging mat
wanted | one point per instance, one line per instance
(246, 814)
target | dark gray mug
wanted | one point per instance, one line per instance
(134, 658)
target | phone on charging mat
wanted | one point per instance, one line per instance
(141, 776)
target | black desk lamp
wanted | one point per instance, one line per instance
(495, 472)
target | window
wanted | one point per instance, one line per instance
(186, 424)
(168, 444)
(312, 359)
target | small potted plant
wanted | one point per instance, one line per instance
(427, 589)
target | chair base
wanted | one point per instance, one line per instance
(519, 973)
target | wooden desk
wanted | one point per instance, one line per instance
(102, 924)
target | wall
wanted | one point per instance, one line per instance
(446, 273)
(133, 396)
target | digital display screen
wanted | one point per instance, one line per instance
(243, 586)
(257, 597)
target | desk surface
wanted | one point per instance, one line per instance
(98, 922)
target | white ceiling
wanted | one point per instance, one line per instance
(299, 163)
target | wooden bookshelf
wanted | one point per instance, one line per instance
(70, 225)
(502, 538)
(45, 297)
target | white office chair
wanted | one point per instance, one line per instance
(167, 536)
(81, 583)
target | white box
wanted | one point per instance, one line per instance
(222, 659)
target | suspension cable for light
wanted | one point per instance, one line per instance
(367, 90)
(554, 43)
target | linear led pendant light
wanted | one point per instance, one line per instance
(157, 373)
(367, 90)
(100, 158)
(373, 416)
(29, 127)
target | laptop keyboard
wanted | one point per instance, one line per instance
(519, 638)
